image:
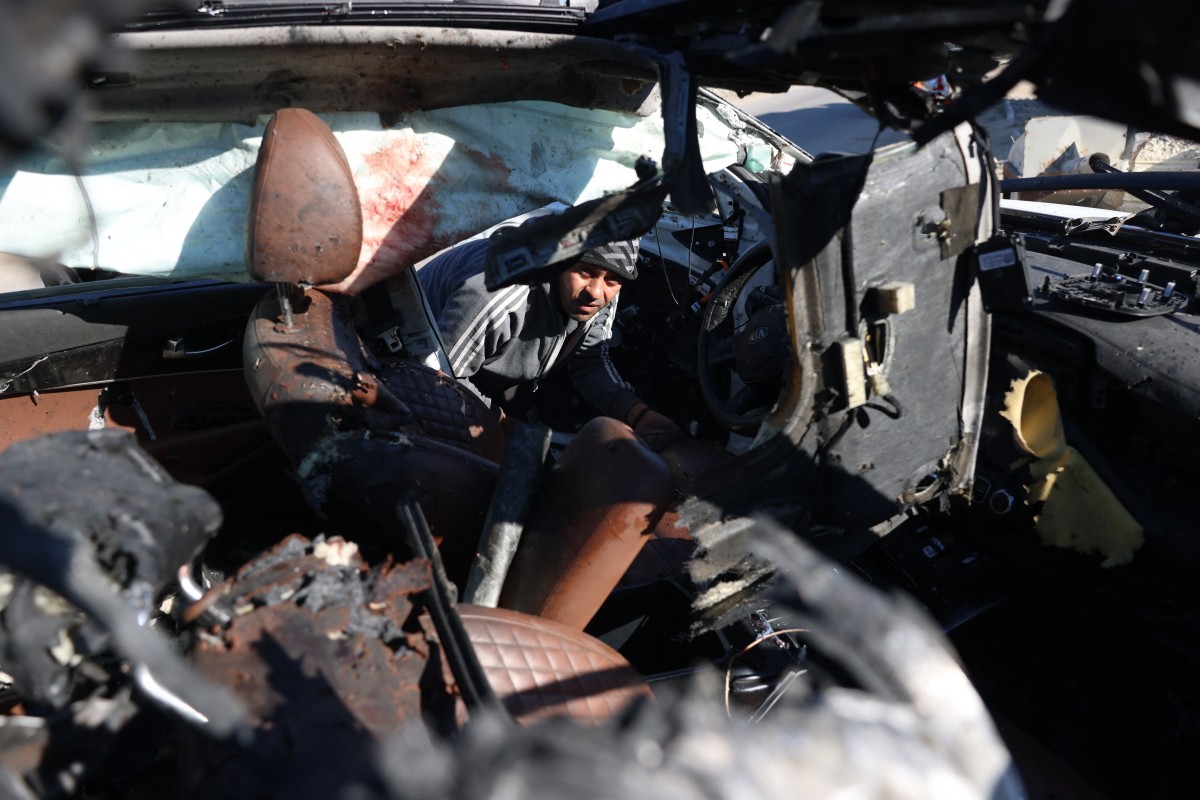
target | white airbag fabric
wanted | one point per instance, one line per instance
(170, 198)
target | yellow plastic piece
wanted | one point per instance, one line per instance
(875, 377)
(1080, 511)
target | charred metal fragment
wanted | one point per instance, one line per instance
(522, 254)
(328, 656)
(459, 652)
(683, 171)
(869, 435)
(894, 650)
(722, 564)
(141, 523)
(828, 188)
(108, 549)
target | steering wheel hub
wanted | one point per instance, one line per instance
(761, 348)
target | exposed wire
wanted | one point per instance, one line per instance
(895, 412)
(747, 649)
(691, 246)
(663, 263)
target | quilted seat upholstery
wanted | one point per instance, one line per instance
(540, 668)
(444, 409)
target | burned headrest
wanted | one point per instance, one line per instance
(305, 222)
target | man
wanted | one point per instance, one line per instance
(502, 343)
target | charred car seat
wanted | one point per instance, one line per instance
(374, 433)
(367, 432)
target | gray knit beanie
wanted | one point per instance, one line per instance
(619, 257)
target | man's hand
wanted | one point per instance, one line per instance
(657, 431)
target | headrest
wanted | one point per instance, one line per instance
(305, 221)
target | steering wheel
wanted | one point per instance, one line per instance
(756, 352)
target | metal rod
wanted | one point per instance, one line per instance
(1184, 212)
(1126, 181)
(460, 653)
(284, 292)
(520, 474)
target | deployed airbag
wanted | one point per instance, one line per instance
(170, 199)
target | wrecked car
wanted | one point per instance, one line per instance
(260, 540)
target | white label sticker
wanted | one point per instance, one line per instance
(997, 259)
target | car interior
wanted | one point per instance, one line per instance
(314, 412)
(342, 397)
(220, 270)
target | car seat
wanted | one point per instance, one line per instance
(375, 433)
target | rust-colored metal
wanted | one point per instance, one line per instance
(596, 509)
(366, 390)
(196, 611)
(305, 221)
(24, 417)
(360, 678)
(328, 657)
(165, 403)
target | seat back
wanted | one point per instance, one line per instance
(367, 434)
(595, 510)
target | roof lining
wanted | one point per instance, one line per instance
(229, 74)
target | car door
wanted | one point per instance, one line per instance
(159, 358)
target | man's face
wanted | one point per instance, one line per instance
(584, 289)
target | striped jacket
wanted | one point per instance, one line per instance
(496, 341)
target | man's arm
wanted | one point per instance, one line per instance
(592, 371)
(474, 324)
(596, 378)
